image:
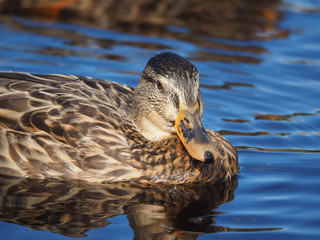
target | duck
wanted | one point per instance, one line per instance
(68, 127)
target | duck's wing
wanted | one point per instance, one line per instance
(65, 120)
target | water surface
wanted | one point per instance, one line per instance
(259, 71)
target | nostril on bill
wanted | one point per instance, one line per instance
(208, 157)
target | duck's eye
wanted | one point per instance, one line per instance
(159, 85)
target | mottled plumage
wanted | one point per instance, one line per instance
(68, 127)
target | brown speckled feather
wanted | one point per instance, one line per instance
(68, 127)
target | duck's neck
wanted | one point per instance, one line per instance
(150, 127)
(147, 121)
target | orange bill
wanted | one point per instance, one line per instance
(191, 133)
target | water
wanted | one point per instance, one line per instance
(260, 67)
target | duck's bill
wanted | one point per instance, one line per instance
(191, 133)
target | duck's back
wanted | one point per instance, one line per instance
(63, 126)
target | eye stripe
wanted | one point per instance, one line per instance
(176, 100)
(147, 78)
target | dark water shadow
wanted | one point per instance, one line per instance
(200, 22)
(153, 211)
(230, 19)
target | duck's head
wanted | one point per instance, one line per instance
(168, 101)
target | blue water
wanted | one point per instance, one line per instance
(261, 92)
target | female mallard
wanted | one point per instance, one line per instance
(68, 127)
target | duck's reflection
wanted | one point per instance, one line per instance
(154, 212)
